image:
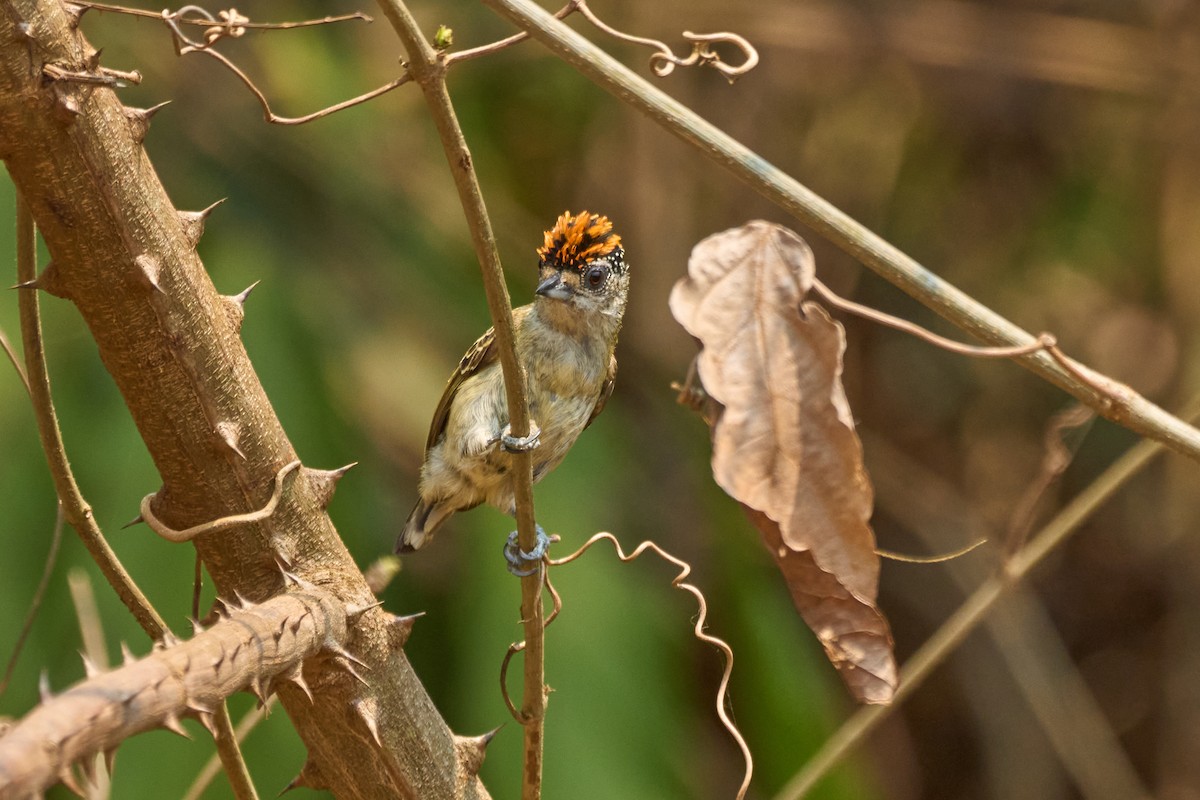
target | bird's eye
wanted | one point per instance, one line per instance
(596, 276)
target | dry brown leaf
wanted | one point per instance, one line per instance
(784, 445)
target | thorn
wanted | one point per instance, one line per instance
(110, 758)
(66, 108)
(139, 119)
(205, 718)
(472, 749)
(349, 667)
(89, 667)
(197, 628)
(193, 222)
(367, 711)
(168, 639)
(355, 610)
(310, 778)
(91, 62)
(87, 768)
(75, 13)
(126, 656)
(235, 305)
(296, 676)
(172, 723)
(240, 297)
(297, 581)
(400, 628)
(133, 522)
(230, 433)
(67, 776)
(256, 688)
(44, 687)
(324, 481)
(242, 602)
(48, 281)
(341, 652)
(278, 633)
(150, 268)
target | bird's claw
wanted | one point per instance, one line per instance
(518, 558)
(520, 444)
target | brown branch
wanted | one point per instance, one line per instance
(428, 68)
(127, 261)
(78, 512)
(267, 641)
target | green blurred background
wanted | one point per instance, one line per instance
(1041, 155)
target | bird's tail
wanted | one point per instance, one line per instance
(425, 519)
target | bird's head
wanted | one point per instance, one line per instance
(581, 263)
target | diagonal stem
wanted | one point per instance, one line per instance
(1115, 401)
(74, 507)
(975, 609)
(78, 513)
(428, 69)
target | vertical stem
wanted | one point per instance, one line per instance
(428, 69)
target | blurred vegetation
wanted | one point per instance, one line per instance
(1041, 154)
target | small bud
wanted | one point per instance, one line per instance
(443, 38)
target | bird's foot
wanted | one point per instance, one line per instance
(518, 558)
(520, 444)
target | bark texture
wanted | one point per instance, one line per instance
(126, 258)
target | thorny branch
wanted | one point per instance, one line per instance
(252, 648)
(76, 509)
(70, 501)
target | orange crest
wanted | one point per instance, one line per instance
(576, 240)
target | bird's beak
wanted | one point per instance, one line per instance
(552, 286)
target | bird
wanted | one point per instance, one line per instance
(566, 341)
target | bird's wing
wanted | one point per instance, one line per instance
(606, 390)
(480, 355)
